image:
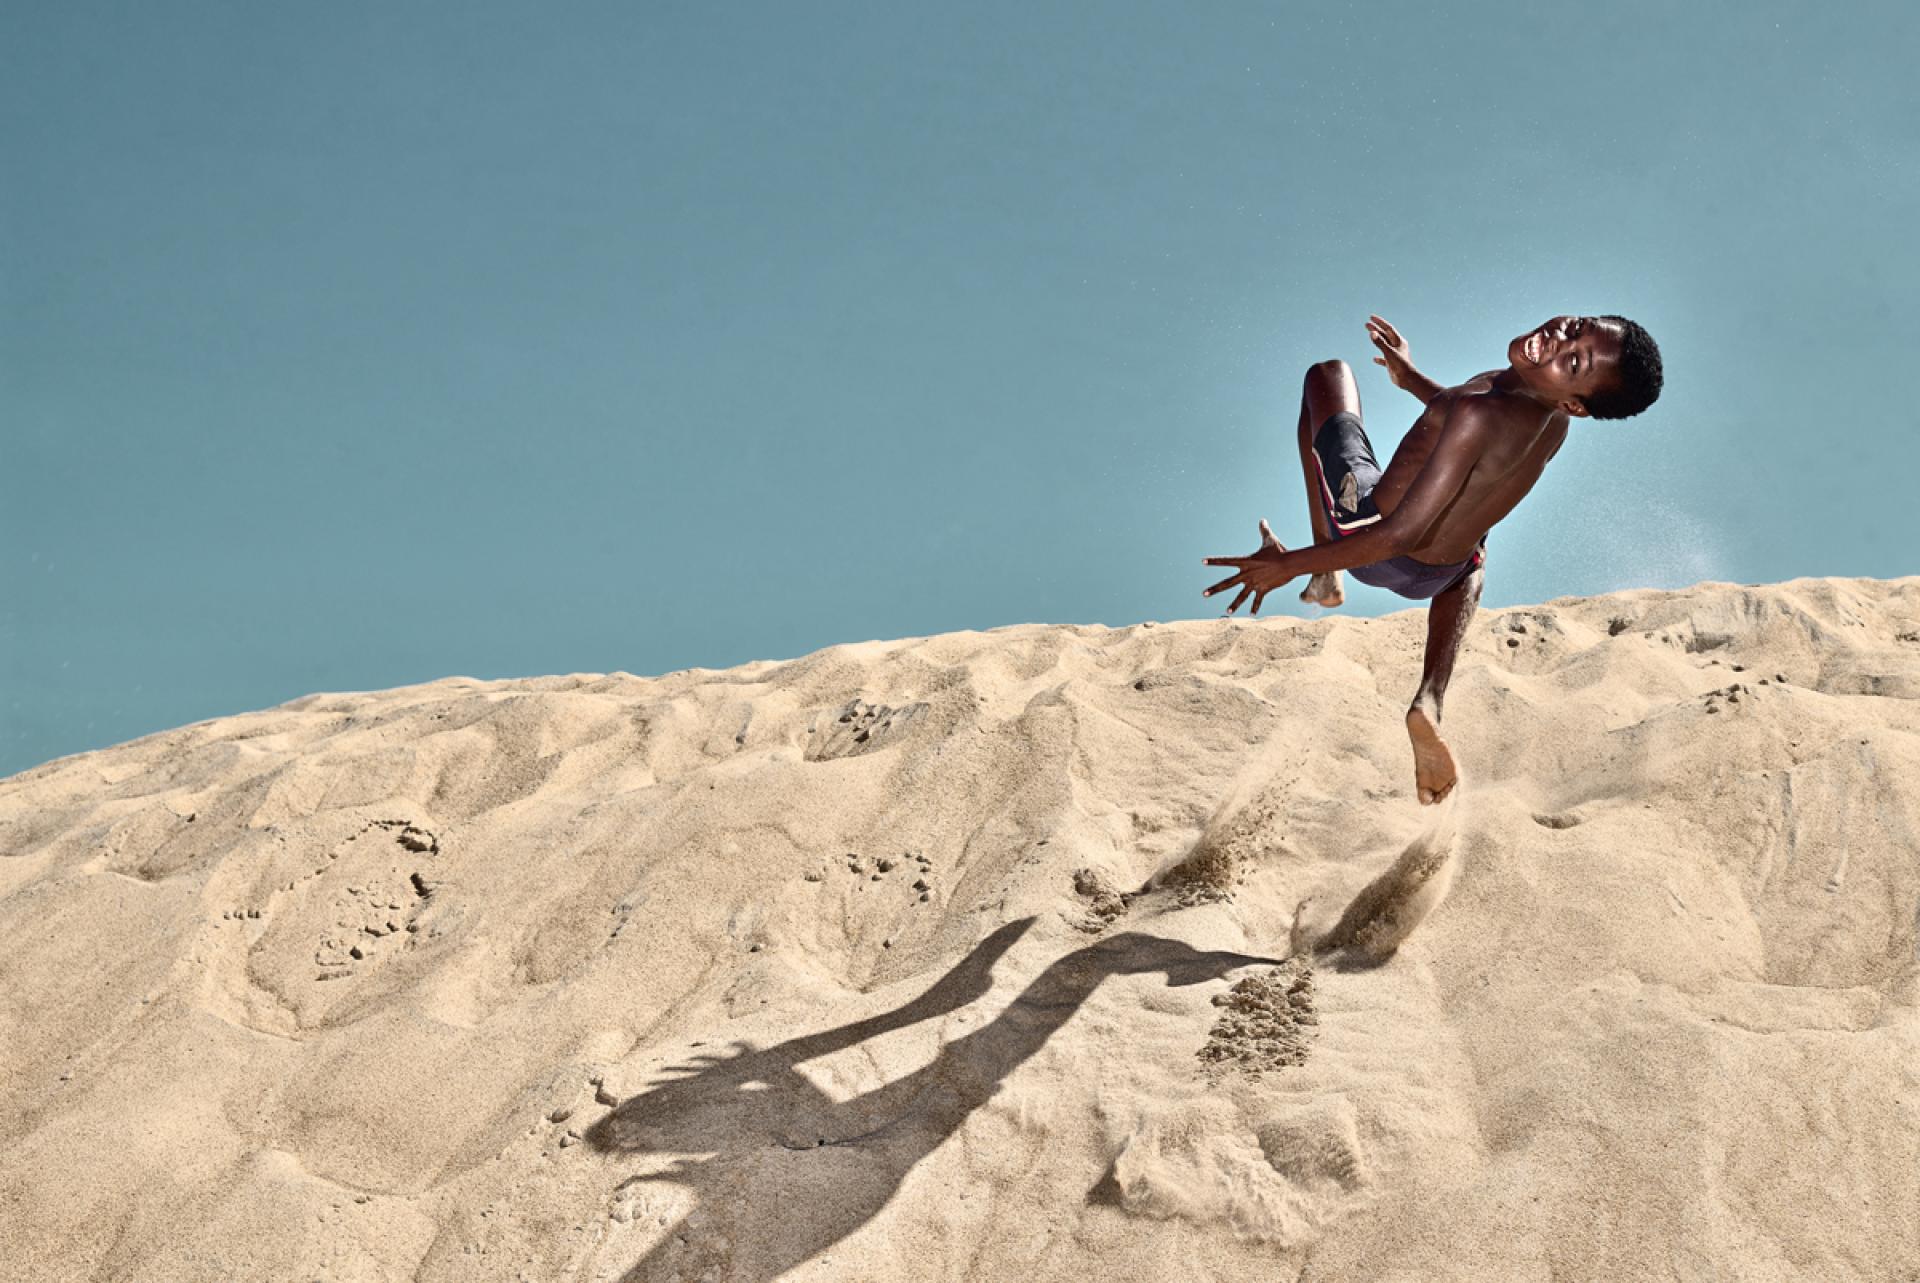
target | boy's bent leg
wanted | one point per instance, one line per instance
(1329, 389)
(1449, 614)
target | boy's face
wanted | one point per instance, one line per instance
(1567, 359)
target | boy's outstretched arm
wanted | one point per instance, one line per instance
(1400, 531)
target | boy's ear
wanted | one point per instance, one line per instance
(1574, 408)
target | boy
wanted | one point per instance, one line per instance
(1420, 527)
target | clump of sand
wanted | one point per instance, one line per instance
(904, 960)
(1266, 1020)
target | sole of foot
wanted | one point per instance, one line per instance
(1434, 772)
(1324, 590)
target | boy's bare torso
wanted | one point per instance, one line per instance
(1509, 463)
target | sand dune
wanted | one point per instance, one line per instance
(967, 957)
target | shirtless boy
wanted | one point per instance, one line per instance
(1420, 528)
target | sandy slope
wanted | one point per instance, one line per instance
(383, 986)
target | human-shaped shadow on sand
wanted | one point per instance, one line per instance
(790, 1171)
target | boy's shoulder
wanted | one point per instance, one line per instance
(1480, 401)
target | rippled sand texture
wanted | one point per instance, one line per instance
(959, 958)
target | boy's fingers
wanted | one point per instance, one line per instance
(1228, 582)
(1238, 599)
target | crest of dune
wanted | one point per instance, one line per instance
(1043, 953)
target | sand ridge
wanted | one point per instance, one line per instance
(899, 960)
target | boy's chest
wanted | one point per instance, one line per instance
(1505, 453)
(1414, 450)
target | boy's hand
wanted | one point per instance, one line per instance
(1394, 354)
(1257, 575)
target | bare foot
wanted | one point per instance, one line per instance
(1433, 770)
(1324, 589)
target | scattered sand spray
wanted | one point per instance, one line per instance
(1380, 917)
(1229, 839)
(1387, 910)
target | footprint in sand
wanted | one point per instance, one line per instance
(374, 915)
(362, 905)
(1726, 695)
(857, 727)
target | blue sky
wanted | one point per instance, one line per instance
(353, 345)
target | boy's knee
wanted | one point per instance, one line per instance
(1329, 378)
(1330, 386)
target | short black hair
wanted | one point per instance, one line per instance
(1637, 379)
